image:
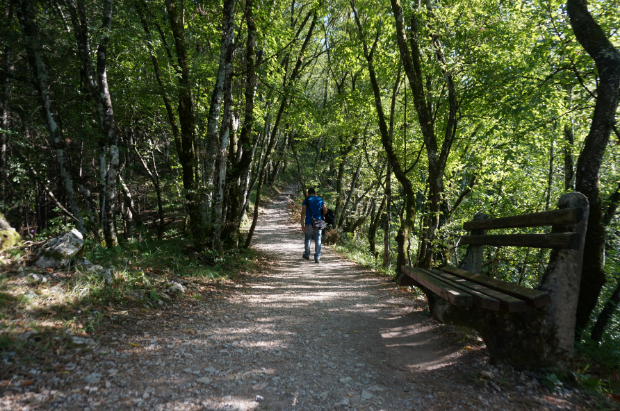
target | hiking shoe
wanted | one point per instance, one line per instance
(316, 260)
(305, 257)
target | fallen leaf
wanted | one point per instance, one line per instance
(134, 344)
(189, 331)
(49, 270)
(356, 332)
(28, 382)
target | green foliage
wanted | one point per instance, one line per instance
(551, 382)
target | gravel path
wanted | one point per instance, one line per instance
(298, 336)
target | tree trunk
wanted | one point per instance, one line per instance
(223, 81)
(569, 163)
(108, 126)
(412, 62)
(238, 176)
(374, 225)
(607, 60)
(386, 139)
(5, 83)
(606, 314)
(187, 156)
(351, 190)
(41, 80)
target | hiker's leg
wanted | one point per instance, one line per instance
(317, 243)
(308, 239)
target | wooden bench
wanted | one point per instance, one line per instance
(492, 306)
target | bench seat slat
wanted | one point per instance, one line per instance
(505, 302)
(533, 298)
(479, 298)
(555, 240)
(566, 216)
(445, 291)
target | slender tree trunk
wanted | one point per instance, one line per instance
(569, 163)
(108, 126)
(130, 209)
(387, 141)
(605, 316)
(387, 254)
(374, 225)
(187, 156)
(5, 84)
(213, 118)
(607, 59)
(41, 80)
(176, 133)
(550, 175)
(339, 190)
(351, 190)
(216, 176)
(412, 62)
(154, 177)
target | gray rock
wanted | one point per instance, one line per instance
(109, 276)
(62, 251)
(176, 288)
(26, 335)
(82, 341)
(259, 398)
(94, 268)
(366, 395)
(38, 279)
(204, 380)
(345, 401)
(93, 378)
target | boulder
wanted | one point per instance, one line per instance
(8, 236)
(62, 251)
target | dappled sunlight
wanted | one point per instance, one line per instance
(300, 333)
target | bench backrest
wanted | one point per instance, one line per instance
(561, 236)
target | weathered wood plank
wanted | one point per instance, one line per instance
(562, 217)
(555, 240)
(445, 291)
(406, 281)
(533, 298)
(505, 302)
(479, 299)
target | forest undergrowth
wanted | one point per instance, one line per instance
(46, 312)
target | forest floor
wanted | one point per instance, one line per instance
(294, 336)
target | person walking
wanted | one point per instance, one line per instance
(312, 207)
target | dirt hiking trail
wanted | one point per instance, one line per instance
(298, 336)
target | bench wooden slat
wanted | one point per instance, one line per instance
(479, 299)
(533, 298)
(562, 217)
(505, 302)
(555, 240)
(445, 291)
